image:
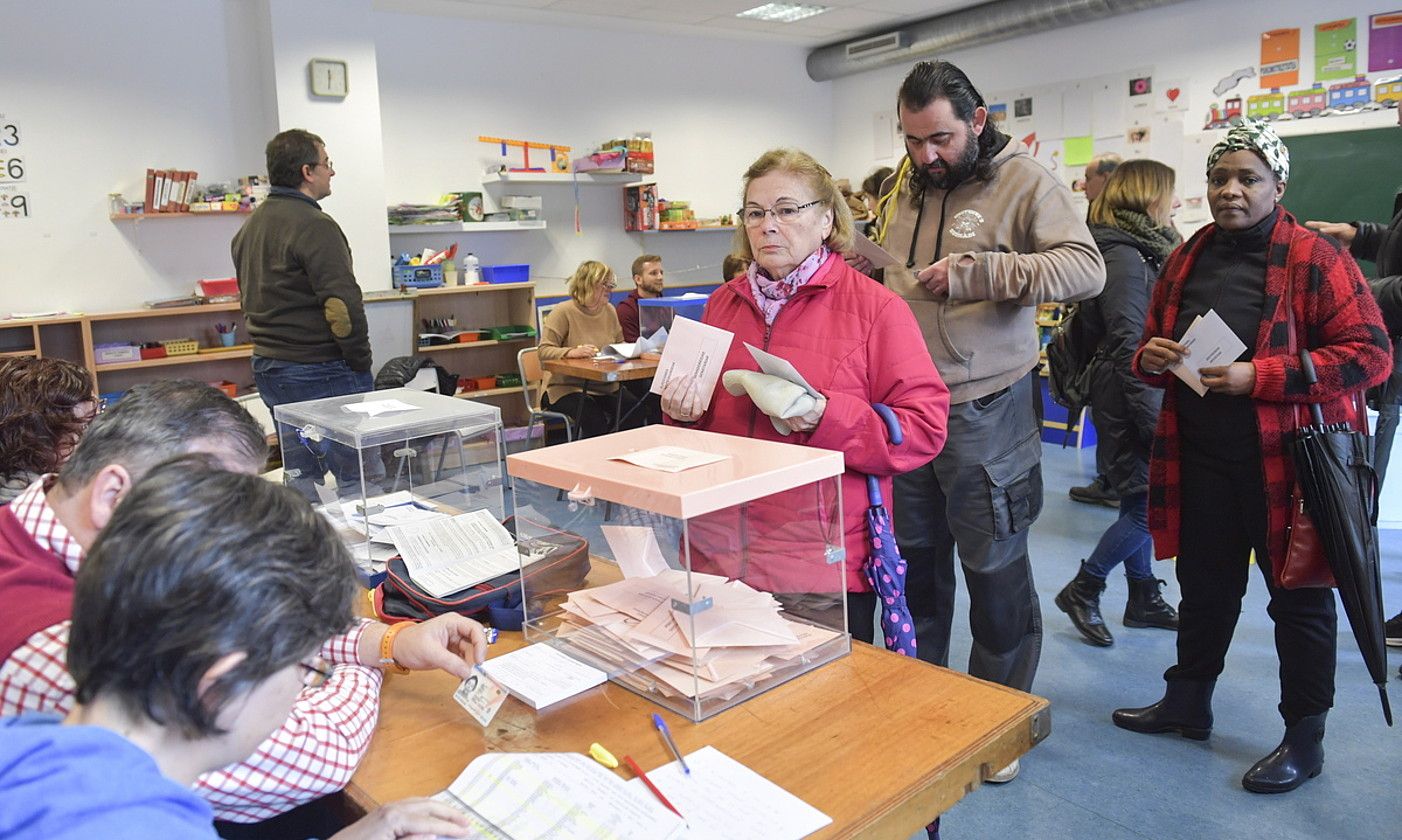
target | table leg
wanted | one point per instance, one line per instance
(579, 409)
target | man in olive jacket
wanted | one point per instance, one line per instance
(300, 300)
(985, 234)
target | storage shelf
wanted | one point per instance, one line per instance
(136, 217)
(488, 392)
(702, 229)
(609, 178)
(465, 227)
(199, 309)
(188, 359)
(15, 354)
(464, 345)
(475, 288)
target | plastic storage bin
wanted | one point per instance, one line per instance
(656, 313)
(417, 276)
(367, 467)
(506, 273)
(707, 586)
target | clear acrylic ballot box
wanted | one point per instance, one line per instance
(389, 458)
(707, 585)
(657, 313)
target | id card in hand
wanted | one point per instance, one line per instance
(481, 696)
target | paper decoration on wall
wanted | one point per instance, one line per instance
(1335, 49)
(1075, 110)
(1280, 58)
(1385, 41)
(1030, 141)
(13, 203)
(1108, 109)
(1022, 108)
(998, 114)
(1232, 79)
(1142, 86)
(1137, 135)
(1079, 150)
(1172, 95)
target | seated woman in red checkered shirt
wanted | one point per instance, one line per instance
(1220, 474)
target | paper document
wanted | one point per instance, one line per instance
(780, 367)
(696, 350)
(876, 255)
(633, 349)
(636, 550)
(723, 799)
(448, 554)
(1212, 343)
(539, 675)
(548, 796)
(672, 459)
(374, 408)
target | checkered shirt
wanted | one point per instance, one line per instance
(314, 753)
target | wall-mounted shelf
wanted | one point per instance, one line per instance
(465, 227)
(613, 179)
(703, 229)
(136, 217)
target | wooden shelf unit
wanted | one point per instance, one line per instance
(480, 306)
(142, 325)
(612, 179)
(465, 227)
(136, 217)
(55, 336)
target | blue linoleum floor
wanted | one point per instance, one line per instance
(1089, 779)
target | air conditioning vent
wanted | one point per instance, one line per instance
(876, 45)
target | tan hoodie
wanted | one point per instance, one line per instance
(1015, 241)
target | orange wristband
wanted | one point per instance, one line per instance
(387, 648)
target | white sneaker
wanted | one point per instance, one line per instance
(1007, 774)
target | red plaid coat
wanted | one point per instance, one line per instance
(1335, 316)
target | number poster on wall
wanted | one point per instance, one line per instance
(13, 203)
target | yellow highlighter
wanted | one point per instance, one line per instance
(603, 756)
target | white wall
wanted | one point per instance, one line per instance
(1199, 42)
(444, 81)
(101, 92)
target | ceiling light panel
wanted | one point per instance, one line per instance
(782, 12)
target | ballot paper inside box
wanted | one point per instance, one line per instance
(399, 457)
(708, 585)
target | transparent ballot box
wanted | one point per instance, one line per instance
(377, 464)
(658, 313)
(706, 586)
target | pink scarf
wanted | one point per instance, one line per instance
(771, 294)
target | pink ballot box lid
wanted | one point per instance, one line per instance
(753, 470)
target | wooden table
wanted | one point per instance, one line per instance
(604, 371)
(879, 742)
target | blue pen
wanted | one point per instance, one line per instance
(671, 745)
(491, 635)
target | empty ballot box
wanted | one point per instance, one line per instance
(707, 585)
(391, 459)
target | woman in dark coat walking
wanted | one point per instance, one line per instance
(1131, 222)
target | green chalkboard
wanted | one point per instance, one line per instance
(1343, 177)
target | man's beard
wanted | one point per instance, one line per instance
(944, 176)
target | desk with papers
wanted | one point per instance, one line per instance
(603, 371)
(879, 742)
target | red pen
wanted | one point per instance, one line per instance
(638, 771)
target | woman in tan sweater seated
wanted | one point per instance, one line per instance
(577, 329)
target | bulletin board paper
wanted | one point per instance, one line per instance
(1384, 41)
(1335, 50)
(1280, 58)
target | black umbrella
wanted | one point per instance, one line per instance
(1334, 465)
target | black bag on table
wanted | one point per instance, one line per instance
(561, 571)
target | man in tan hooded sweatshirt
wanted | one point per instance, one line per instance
(986, 234)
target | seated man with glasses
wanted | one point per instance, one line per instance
(195, 629)
(578, 329)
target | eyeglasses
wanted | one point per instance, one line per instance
(316, 671)
(785, 212)
(328, 164)
(611, 285)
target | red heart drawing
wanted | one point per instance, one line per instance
(1172, 94)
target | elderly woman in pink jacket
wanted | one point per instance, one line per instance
(854, 342)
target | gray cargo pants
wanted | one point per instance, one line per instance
(981, 494)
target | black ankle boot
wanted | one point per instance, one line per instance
(1186, 708)
(1081, 600)
(1299, 758)
(1146, 607)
